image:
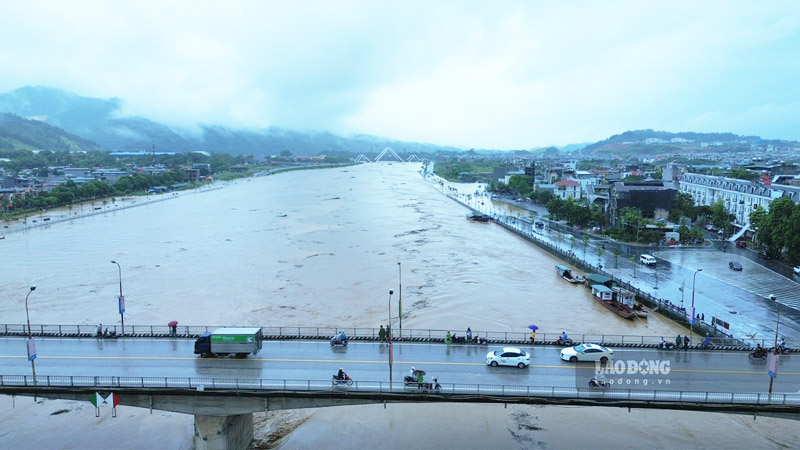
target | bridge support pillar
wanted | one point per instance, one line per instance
(223, 432)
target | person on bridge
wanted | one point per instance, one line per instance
(564, 336)
(99, 330)
(340, 375)
(343, 336)
(686, 342)
(706, 341)
(782, 345)
(678, 342)
(448, 337)
(412, 372)
(382, 334)
(469, 334)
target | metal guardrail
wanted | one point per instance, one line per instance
(205, 384)
(419, 335)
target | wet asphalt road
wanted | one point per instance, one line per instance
(705, 371)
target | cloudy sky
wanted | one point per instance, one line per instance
(491, 74)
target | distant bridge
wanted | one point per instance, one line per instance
(392, 155)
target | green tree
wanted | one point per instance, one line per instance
(585, 243)
(719, 215)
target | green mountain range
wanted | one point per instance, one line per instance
(97, 121)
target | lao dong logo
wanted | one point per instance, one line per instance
(632, 367)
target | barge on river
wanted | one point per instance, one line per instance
(566, 273)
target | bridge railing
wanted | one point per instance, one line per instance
(406, 334)
(233, 384)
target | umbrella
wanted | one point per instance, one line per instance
(533, 327)
(173, 323)
(419, 372)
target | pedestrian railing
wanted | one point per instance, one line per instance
(446, 389)
(404, 335)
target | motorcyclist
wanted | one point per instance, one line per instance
(782, 345)
(342, 336)
(600, 379)
(340, 375)
(411, 372)
(759, 350)
(706, 341)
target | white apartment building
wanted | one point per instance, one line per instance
(740, 197)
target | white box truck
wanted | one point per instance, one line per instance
(229, 341)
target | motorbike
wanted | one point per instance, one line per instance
(345, 380)
(597, 382)
(566, 343)
(463, 340)
(336, 342)
(782, 350)
(110, 334)
(666, 345)
(758, 354)
(413, 382)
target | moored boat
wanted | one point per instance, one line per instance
(566, 273)
(605, 296)
(478, 217)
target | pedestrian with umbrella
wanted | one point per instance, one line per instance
(533, 329)
(173, 328)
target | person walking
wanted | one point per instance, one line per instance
(686, 341)
(173, 330)
(382, 334)
(448, 337)
(678, 342)
(533, 336)
(469, 334)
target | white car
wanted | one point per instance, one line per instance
(509, 356)
(648, 260)
(796, 270)
(587, 352)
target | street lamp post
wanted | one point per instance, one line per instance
(691, 312)
(389, 335)
(400, 296)
(31, 342)
(773, 372)
(121, 299)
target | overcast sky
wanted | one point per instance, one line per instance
(505, 74)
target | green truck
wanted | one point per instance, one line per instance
(229, 341)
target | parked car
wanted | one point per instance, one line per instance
(587, 352)
(733, 265)
(509, 356)
(796, 270)
(741, 244)
(763, 254)
(648, 260)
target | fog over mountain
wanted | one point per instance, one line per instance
(99, 120)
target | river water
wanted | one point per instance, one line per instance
(317, 247)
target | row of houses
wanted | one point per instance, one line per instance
(655, 197)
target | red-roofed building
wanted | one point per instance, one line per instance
(568, 189)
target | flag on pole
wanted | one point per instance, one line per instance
(97, 399)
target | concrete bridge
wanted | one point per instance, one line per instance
(159, 372)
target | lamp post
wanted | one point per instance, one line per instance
(121, 299)
(389, 335)
(31, 342)
(400, 296)
(691, 312)
(773, 370)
